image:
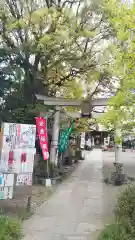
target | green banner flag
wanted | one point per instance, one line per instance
(64, 138)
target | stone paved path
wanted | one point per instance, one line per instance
(75, 211)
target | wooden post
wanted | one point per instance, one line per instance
(47, 168)
(29, 204)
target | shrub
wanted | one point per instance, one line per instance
(125, 207)
(124, 228)
(115, 231)
(10, 229)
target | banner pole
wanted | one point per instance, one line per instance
(47, 164)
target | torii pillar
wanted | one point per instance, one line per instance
(55, 136)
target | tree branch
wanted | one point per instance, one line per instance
(69, 2)
(101, 80)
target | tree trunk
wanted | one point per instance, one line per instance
(118, 145)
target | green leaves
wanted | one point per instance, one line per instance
(87, 33)
(51, 46)
(121, 19)
(46, 39)
(10, 229)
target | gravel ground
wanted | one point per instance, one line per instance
(17, 207)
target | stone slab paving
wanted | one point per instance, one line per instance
(75, 211)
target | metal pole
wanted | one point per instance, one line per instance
(55, 136)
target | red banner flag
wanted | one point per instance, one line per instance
(41, 124)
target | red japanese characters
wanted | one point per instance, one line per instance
(41, 124)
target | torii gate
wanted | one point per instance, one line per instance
(59, 102)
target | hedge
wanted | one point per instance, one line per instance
(115, 231)
(10, 229)
(124, 226)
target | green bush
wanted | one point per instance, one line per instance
(124, 228)
(125, 207)
(10, 229)
(115, 231)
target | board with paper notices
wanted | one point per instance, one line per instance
(6, 185)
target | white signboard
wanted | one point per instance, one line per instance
(18, 135)
(82, 144)
(4, 161)
(17, 161)
(89, 142)
(24, 179)
(6, 180)
(6, 193)
(6, 186)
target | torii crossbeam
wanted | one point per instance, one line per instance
(52, 101)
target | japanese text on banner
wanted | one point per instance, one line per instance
(41, 124)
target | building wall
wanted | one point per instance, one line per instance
(98, 136)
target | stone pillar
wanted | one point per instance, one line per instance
(55, 136)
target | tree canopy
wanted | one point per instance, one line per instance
(46, 44)
(121, 17)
